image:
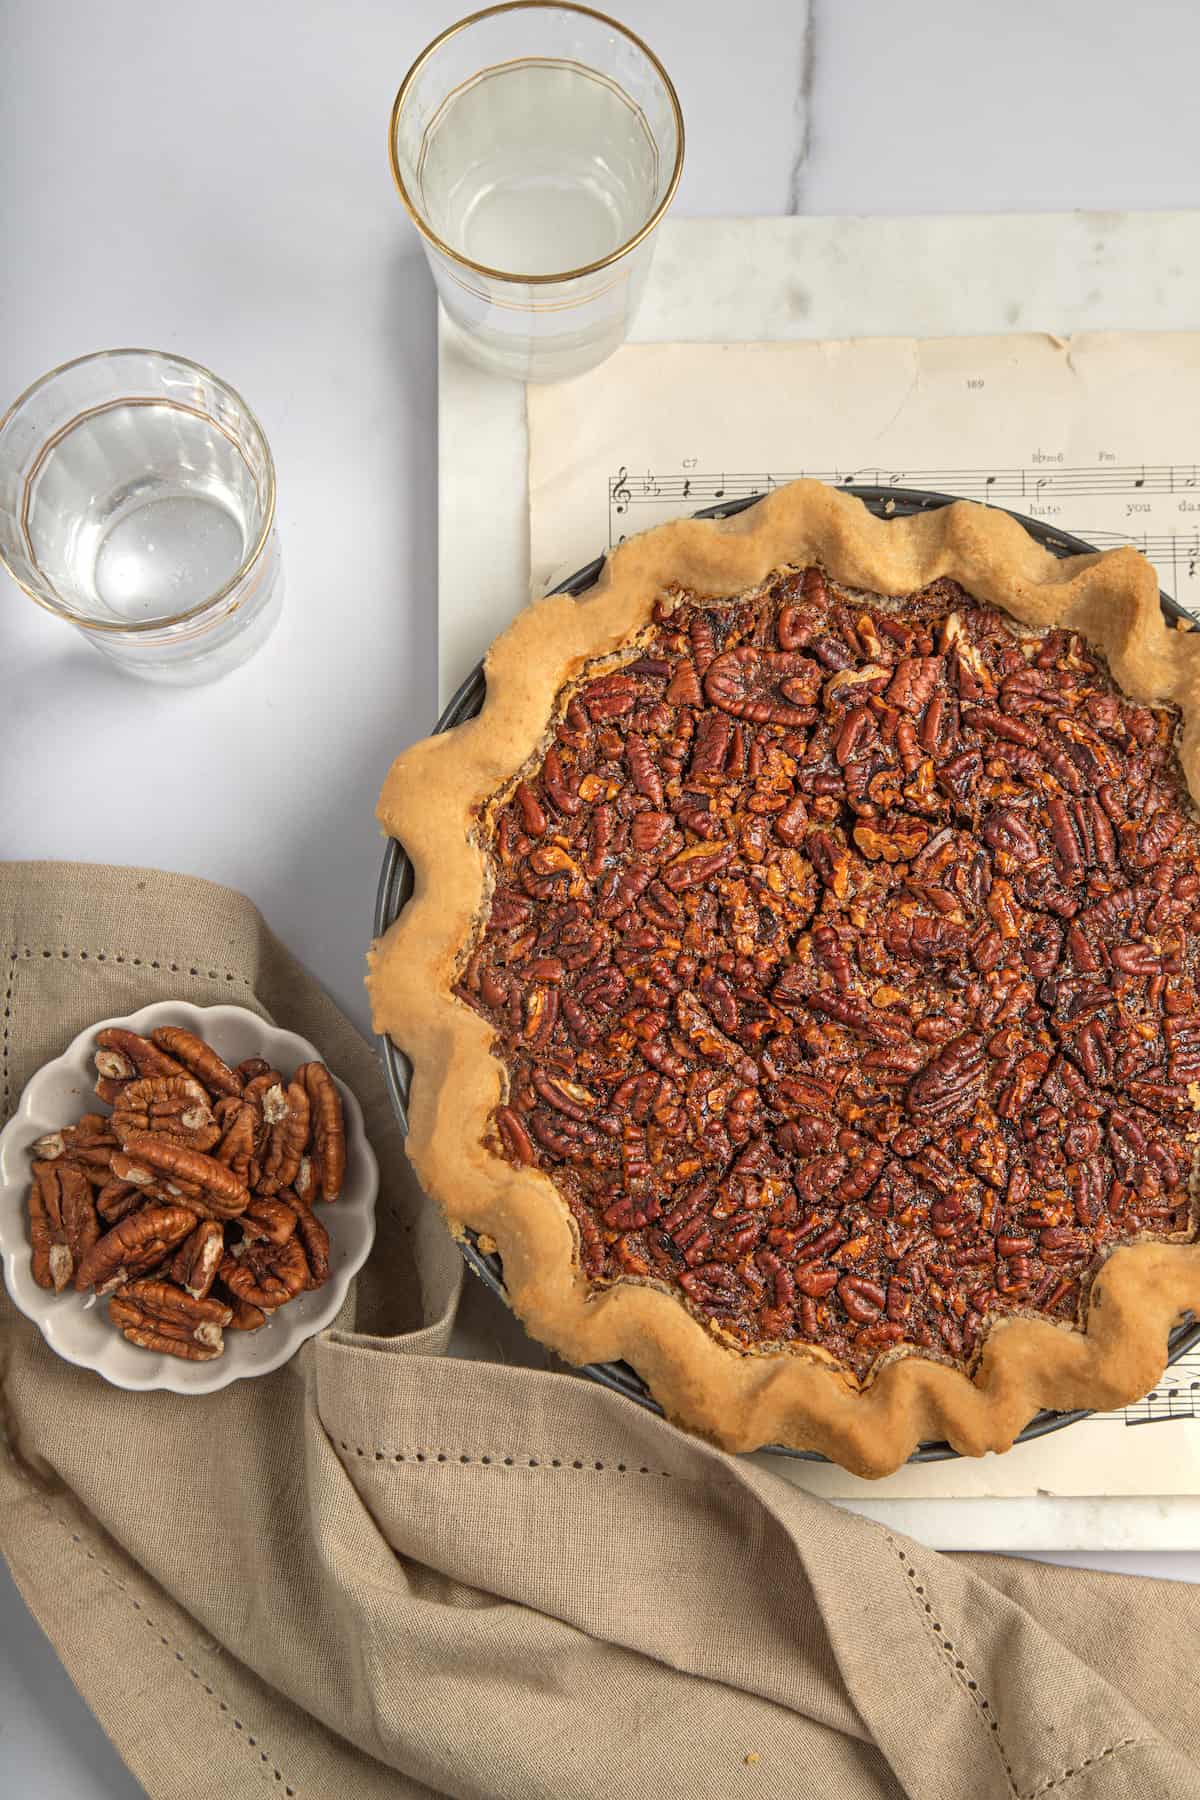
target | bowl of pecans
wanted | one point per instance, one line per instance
(185, 1196)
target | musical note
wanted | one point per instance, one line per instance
(687, 487)
(1174, 1399)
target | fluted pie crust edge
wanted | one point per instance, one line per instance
(742, 1399)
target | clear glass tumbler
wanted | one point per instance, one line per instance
(137, 501)
(537, 146)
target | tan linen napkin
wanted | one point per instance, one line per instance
(384, 1572)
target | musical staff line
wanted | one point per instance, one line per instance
(1044, 482)
(1177, 1395)
(1176, 554)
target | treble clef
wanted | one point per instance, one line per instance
(620, 495)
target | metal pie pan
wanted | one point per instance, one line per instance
(395, 887)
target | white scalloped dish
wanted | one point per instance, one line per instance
(59, 1094)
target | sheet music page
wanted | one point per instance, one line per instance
(1098, 436)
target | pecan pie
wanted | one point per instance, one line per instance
(801, 982)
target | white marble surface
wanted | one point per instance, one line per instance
(212, 179)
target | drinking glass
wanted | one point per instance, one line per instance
(137, 501)
(537, 146)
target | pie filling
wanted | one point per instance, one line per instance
(842, 958)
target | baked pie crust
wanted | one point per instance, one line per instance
(992, 1022)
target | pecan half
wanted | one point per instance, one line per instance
(74, 1140)
(143, 1057)
(314, 1240)
(218, 1185)
(159, 1316)
(239, 1141)
(268, 1219)
(149, 1334)
(287, 1141)
(328, 1126)
(139, 1243)
(267, 1275)
(199, 1057)
(195, 1263)
(63, 1223)
(175, 1105)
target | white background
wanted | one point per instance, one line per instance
(213, 179)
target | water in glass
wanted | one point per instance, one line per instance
(539, 169)
(164, 523)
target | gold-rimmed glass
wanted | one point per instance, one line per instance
(537, 146)
(137, 502)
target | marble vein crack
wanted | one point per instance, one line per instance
(803, 110)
